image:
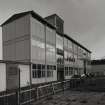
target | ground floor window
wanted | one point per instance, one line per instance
(38, 70)
(41, 71)
(50, 70)
(68, 71)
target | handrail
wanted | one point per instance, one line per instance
(7, 95)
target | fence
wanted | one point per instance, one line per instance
(9, 99)
(27, 96)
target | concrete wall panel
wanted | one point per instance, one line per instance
(22, 50)
(2, 77)
(24, 75)
(16, 39)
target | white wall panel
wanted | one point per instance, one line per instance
(2, 77)
(38, 80)
(24, 75)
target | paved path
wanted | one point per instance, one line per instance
(75, 98)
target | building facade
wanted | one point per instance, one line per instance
(51, 55)
(98, 67)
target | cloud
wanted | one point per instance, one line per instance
(84, 19)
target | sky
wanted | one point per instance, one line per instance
(84, 20)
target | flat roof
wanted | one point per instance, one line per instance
(98, 62)
(68, 37)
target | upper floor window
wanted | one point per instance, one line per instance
(50, 36)
(59, 41)
(65, 43)
(70, 46)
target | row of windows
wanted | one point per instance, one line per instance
(50, 36)
(75, 48)
(70, 59)
(71, 71)
(50, 53)
(41, 74)
(68, 71)
(42, 67)
(38, 31)
(38, 51)
(59, 42)
(60, 59)
(40, 71)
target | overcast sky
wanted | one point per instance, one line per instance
(84, 19)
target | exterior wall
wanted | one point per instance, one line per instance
(24, 75)
(50, 46)
(60, 57)
(12, 76)
(37, 50)
(68, 58)
(60, 51)
(98, 69)
(16, 39)
(43, 52)
(9, 79)
(51, 54)
(37, 41)
(57, 22)
(2, 77)
(27, 39)
(74, 58)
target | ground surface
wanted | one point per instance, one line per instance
(75, 98)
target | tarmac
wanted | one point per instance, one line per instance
(74, 98)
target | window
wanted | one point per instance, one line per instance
(49, 73)
(39, 70)
(75, 48)
(50, 69)
(65, 43)
(50, 36)
(59, 42)
(38, 50)
(60, 59)
(37, 29)
(68, 71)
(50, 53)
(70, 45)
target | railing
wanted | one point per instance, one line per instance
(9, 99)
(27, 96)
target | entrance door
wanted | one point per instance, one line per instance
(60, 74)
